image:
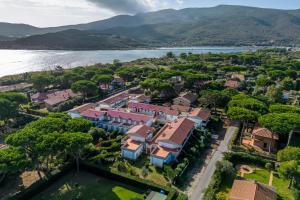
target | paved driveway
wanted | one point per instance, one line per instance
(205, 177)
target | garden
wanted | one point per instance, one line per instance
(84, 185)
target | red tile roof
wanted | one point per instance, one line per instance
(141, 130)
(91, 113)
(180, 108)
(160, 152)
(189, 96)
(57, 97)
(176, 131)
(251, 190)
(151, 107)
(83, 107)
(113, 99)
(232, 84)
(131, 145)
(203, 113)
(266, 133)
(127, 115)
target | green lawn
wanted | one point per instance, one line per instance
(260, 175)
(282, 189)
(281, 185)
(87, 186)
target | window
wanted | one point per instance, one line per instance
(265, 145)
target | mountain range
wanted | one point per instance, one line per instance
(221, 25)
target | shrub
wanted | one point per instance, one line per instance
(182, 196)
(242, 157)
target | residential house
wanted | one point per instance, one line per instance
(200, 116)
(139, 98)
(169, 141)
(54, 98)
(264, 139)
(251, 190)
(76, 112)
(185, 99)
(234, 84)
(114, 120)
(93, 115)
(136, 141)
(240, 77)
(160, 112)
(181, 109)
(114, 101)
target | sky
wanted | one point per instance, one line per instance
(47, 13)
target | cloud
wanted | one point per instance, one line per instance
(135, 6)
(124, 6)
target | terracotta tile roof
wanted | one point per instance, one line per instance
(180, 108)
(83, 107)
(127, 115)
(189, 96)
(113, 99)
(241, 77)
(232, 84)
(176, 131)
(141, 130)
(131, 145)
(160, 152)
(203, 113)
(264, 132)
(251, 190)
(91, 113)
(151, 107)
(57, 97)
(139, 98)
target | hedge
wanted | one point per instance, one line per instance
(246, 158)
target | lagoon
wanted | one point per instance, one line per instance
(20, 61)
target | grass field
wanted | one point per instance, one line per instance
(89, 187)
(280, 184)
(261, 175)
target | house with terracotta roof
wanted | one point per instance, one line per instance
(162, 113)
(114, 101)
(264, 139)
(251, 190)
(93, 115)
(185, 99)
(53, 98)
(115, 120)
(137, 141)
(76, 112)
(169, 141)
(240, 77)
(200, 116)
(234, 84)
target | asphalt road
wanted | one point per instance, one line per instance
(208, 172)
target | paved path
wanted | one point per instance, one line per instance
(207, 173)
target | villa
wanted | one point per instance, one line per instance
(264, 139)
(137, 141)
(76, 112)
(169, 141)
(233, 84)
(52, 99)
(114, 120)
(114, 101)
(200, 116)
(160, 112)
(185, 99)
(251, 190)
